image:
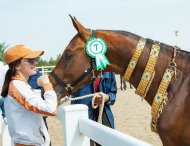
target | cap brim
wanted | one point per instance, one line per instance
(34, 54)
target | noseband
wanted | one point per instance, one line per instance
(90, 70)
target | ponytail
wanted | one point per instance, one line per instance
(6, 83)
(10, 73)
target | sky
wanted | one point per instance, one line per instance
(46, 25)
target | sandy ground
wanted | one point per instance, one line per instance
(132, 117)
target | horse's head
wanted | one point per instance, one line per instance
(74, 67)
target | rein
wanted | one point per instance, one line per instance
(161, 96)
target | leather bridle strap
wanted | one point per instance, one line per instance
(60, 82)
(88, 71)
(93, 33)
(84, 75)
(69, 87)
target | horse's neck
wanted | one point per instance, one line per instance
(141, 65)
(120, 51)
(164, 58)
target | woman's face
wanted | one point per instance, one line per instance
(27, 67)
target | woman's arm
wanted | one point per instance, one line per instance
(32, 100)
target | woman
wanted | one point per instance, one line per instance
(25, 107)
(102, 87)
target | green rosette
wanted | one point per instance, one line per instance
(96, 48)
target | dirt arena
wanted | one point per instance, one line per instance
(132, 116)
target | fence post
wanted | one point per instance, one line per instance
(42, 70)
(70, 115)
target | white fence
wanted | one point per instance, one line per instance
(45, 69)
(78, 129)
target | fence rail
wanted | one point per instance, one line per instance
(78, 129)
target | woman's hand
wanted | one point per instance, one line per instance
(42, 80)
(98, 98)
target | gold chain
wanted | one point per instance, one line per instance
(134, 59)
(161, 97)
(148, 74)
(158, 112)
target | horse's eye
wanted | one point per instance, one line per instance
(68, 56)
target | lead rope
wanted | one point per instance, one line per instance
(101, 107)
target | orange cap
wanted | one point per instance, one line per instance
(20, 51)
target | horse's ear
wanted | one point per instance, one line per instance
(83, 32)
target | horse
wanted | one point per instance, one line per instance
(123, 84)
(75, 68)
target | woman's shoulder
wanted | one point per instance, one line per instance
(20, 84)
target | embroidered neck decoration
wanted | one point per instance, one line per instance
(96, 48)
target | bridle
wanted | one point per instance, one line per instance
(91, 70)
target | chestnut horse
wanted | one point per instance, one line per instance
(123, 84)
(75, 69)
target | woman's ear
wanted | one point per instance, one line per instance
(17, 67)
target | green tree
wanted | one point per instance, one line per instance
(43, 62)
(50, 62)
(3, 46)
(57, 58)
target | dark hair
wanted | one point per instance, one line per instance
(10, 72)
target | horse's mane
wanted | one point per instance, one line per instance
(165, 46)
(126, 33)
